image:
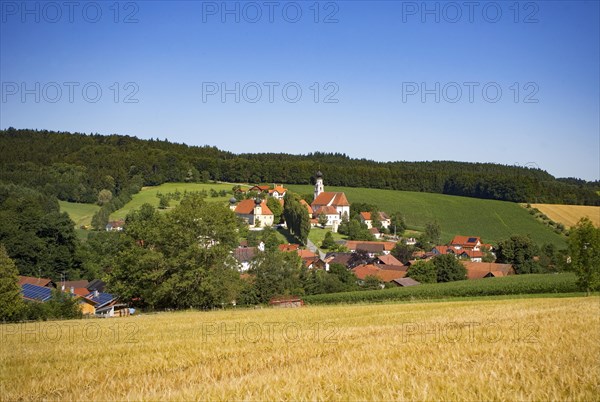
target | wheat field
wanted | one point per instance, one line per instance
(527, 349)
(569, 215)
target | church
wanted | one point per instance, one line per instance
(331, 204)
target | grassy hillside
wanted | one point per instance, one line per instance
(492, 220)
(81, 214)
(569, 215)
(148, 195)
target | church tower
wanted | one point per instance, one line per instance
(319, 184)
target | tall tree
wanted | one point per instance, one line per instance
(520, 251)
(449, 269)
(584, 249)
(11, 302)
(423, 271)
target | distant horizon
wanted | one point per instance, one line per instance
(528, 165)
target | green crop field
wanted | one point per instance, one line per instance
(510, 286)
(491, 220)
(148, 195)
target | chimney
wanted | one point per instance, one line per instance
(72, 290)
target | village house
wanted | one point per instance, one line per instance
(365, 217)
(470, 254)
(278, 192)
(469, 243)
(327, 202)
(115, 226)
(255, 212)
(244, 256)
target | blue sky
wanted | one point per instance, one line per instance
(385, 63)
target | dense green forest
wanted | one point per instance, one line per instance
(77, 167)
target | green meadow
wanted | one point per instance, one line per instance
(148, 195)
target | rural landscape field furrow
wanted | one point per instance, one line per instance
(569, 215)
(470, 350)
(492, 220)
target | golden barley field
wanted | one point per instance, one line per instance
(492, 350)
(569, 215)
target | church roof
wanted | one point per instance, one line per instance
(331, 198)
(327, 210)
(246, 207)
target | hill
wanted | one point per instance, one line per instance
(490, 219)
(76, 167)
(569, 215)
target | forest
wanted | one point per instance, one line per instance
(78, 167)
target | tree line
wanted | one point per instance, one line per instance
(77, 167)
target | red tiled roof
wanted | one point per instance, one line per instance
(288, 247)
(387, 245)
(79, 291)
(476, 270)
(44, 282)
(279, 189)
(326, 209)
(386, 275)
(463, 241)
(246, 207)
(366, 215)
(259, 188)
(471, 253)
(331, 198)
(374, 231)
(306, 254)
(308, 207)
(389, 260)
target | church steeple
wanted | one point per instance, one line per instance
(319, 184)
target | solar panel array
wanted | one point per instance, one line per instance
(101, 299)
(36, 292)
(472, 240)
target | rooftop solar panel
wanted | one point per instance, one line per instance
(472, 240)
(36, 292)
(101, 299)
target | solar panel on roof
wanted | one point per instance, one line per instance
(103, 298)
(472, 240)
(36, 292)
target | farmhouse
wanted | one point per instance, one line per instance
(365, 217)
(326, 203)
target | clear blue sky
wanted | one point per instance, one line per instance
(371, 53)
